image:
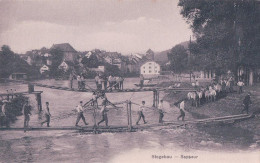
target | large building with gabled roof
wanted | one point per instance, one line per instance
(69, 53)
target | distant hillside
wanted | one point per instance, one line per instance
(162, 56)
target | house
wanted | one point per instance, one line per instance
(150, 68)
(120, 64)
(47, 55)
(108, 59)
(131, 67)
(99, 69)
(69, 53)
(133, 63)
(65, 65)
(38, 61)
(44, 68)
(48, 59)
(88, 54)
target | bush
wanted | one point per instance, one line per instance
(13, 109)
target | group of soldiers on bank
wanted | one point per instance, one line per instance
(110, 82)
(102, 82)
(213, 91)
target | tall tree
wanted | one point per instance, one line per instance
(56, 56)
(178, 58)
(11, 63)
(227, 32)
(90, 62)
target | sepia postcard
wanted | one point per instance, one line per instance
(130, 81)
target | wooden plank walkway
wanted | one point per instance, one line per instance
(20, 93)
(117, 91)
(107, 91)
(135, 127)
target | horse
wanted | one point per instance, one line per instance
(193, 97)
(207, 95)
(213, 94)
(200, 95)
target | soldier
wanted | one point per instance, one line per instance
(141, 81)
(104, 111)
(140, 113)
(246, 102)
(47, 115)
(121, 86)
(26, 113)
(161, 112)
(4, 118)
(240, 85)
(80, 114)
(182, 111)
(71, 80)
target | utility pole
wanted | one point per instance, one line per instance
(189, 58)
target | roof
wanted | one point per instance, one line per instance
(44, 66)
(64, 47)
(149, 61)
(149, 51)
(47, 55)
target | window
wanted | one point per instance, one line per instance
(155, 66)
(149, 67)
(144, 71)
(150, 63)
(155, 71)
(144, 67)
(150, 71)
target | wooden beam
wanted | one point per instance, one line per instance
(136, 127)
(20, 93)
(130, 116)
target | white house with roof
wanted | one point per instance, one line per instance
(64, 66)
(44, 68)
(88, 54)
(150, 68)
(46, 55)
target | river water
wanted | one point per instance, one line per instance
(71, 146)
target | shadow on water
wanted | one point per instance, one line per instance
(226, 134)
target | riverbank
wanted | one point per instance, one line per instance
(229, 105)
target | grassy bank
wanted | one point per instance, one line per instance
(229, 105)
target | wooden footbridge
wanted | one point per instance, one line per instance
(31, 85)
(130, 128)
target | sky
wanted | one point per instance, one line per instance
(125, 26)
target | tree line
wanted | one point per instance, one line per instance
(227, 36)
